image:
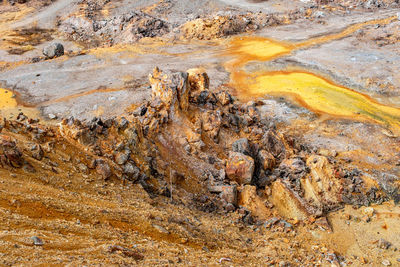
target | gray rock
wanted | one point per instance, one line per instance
(241, 146)
(52, 116)
(53, 50)
(131, 171)
(160, 229)
(37, 241)
(122, 157)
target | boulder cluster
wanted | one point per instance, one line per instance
(200, 141)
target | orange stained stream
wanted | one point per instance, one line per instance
(313, 92)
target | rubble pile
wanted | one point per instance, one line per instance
(190, 137)
(127, 28)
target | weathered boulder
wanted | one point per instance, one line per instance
(132, 172)
(322, 186)
(289, 203)
(53, 50)
(249, 199)
(240, 168)
(171, 88)
(103, 169)
(198, 80)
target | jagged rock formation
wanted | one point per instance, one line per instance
(189, 139)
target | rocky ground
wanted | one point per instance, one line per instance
(158, 133)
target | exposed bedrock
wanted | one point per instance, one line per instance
(191, 141)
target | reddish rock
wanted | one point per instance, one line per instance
(10, 155)
(267, 160)
(103, 169)
(240, 168)
(229, 194)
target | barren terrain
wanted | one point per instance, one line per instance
(199, 133)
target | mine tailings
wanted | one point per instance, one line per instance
(315, 93)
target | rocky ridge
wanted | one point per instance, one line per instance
(192, 141)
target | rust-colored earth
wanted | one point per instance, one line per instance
(200, 133)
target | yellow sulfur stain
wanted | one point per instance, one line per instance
(321, 96)
(246, 49)
(313, 92)
(6, 99)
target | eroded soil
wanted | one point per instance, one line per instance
(268, 134)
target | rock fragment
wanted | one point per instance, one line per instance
(131, 171)
(386, 263)
(383, 244)
(266, 159)
(103, 169)
(224, 98)
(37, 241)
(289, 203)
(171, 88)
(52, 116)
(241, 146)
(211, 123)
(160, 229)
(125, 252)
(53, 50)
(37, 152)
(10, 155)
(122, 157)
(198, 80)
(240, 168)
(229, 194)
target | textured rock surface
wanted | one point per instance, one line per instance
(53, 50)
(240, 168)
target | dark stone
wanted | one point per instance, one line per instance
(53, 50)
(241, 146)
